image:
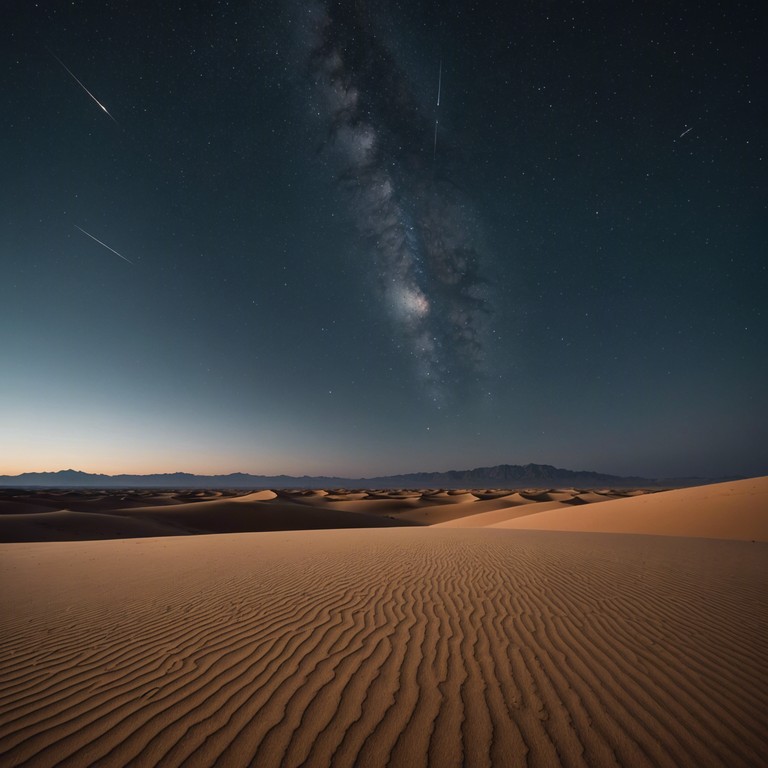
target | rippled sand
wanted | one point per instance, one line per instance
(400, 647)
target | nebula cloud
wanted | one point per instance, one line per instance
(416, 224)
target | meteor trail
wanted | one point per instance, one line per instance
(104, 244)
(439, 88)
(74, 77)
(686, 131)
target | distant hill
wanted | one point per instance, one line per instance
(511, 475)
(501, 476)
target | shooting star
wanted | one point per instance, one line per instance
(74, 77)
(104, 244)
(439, 89)
(687, 130)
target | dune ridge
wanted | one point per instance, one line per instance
(259, 511)
(113, 514)
(733, 510)
(400, 647)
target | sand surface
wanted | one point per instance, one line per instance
(401, 647)
(408, 646)
(735, 510)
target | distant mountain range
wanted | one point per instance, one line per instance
(501, 476)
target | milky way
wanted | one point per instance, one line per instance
(417, 227)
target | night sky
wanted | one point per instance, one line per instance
(308, 265)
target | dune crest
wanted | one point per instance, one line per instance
(733, 510)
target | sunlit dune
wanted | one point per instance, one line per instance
(734, 510)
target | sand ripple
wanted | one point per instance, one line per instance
(385, 647)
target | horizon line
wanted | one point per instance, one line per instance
(369, 476)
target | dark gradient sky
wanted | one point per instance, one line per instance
(574, 273)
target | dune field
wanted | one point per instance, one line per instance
(77, 515)
(539, 627)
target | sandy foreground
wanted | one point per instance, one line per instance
(407, 646)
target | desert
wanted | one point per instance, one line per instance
(385, 628)
(383, 384)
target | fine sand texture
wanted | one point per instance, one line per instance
(411, 646)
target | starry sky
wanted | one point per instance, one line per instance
(377, 236)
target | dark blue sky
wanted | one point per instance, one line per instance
(570, 270)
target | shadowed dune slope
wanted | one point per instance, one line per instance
(66, 525)
(245, 514)
(20, 501)
(401, 647)
(260, 511)
(441, 508)
(734, 510)
(497, 514)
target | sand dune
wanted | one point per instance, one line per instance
(500, 509)
(450, 508)
(734, 510)
(246, 514)
(399, 647)
(255, 512)
(428, 509)
(67, 525)
(80, 515)
(727, 510)
(498, 514)
(550, 495)
(15, 501)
